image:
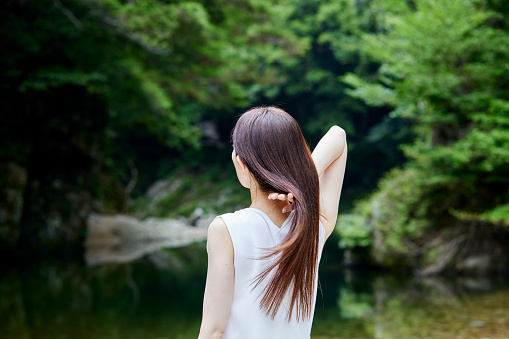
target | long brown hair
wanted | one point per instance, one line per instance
(270, 143)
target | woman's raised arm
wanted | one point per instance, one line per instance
(330, 161)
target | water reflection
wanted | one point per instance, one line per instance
(138, 300)
(388, 307)
(160, 296)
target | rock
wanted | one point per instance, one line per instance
(476, 264)
(210, 136)
(477, 323)
(159, 188)
(199, 219)
(205, 221)
(196, 215)
(476, 284)
(122, 238)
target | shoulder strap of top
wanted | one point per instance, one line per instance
(233, 223)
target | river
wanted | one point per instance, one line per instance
(159, 296)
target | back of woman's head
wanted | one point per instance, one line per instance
(271, 145)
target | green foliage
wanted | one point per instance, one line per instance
(159, 66)
(396, 210)
(496, 215)
(353, 231)
(214, 191)
(148, 58)
(309, 89)
(354, 305)
(427, 79)
(443, 67)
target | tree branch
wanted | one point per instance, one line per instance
(69, 15)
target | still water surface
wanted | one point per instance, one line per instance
(160, 296)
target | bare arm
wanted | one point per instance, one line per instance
(220, 278)
(330, 161)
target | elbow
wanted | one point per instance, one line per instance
(217, 334)
(339, 134)
(212, 334)
(340, 137)
(338, 131)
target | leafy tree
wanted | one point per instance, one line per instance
(443, 67)
(141, 74)
(308, 87)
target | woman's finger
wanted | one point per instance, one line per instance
(281, 196)
(287, 208)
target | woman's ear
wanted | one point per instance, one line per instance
(242, 165)
(243, 173)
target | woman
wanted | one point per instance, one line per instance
(263, 263)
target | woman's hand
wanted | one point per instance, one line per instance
(283, 197)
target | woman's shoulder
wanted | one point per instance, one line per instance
(230, 226)
(231, 219)
(217, 234)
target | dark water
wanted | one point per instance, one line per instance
(160, 296)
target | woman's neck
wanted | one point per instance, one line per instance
(273, 208)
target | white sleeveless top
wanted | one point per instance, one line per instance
(252, 231)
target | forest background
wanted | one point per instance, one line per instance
(105, 101)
